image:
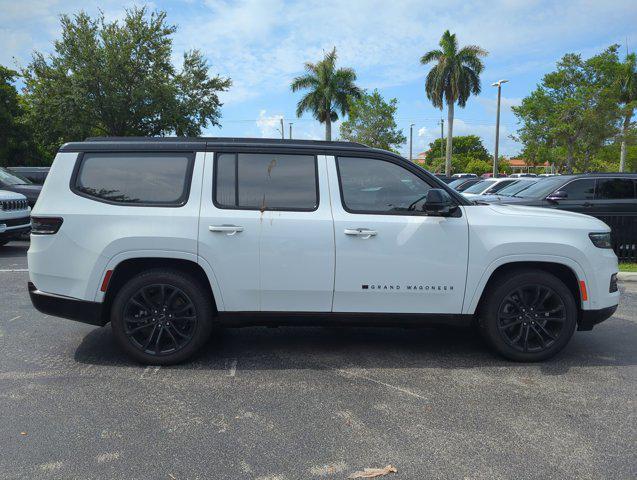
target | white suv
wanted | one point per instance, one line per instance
(14, 216)
(167, 238)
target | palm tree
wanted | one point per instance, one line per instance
(329, 90)
(454, 78)
(628, 98)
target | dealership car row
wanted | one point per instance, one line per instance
(602, 195)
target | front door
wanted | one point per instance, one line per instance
(390, 257)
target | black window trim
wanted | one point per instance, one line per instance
(180, 202)
(396, 161)
(236, 154)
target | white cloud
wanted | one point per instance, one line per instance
(270, 126)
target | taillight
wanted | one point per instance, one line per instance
(45, 225)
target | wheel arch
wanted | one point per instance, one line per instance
(126, 268)
(566, 270)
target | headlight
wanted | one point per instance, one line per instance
(601, 240)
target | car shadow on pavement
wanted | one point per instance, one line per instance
(17, 249)
(282, 348)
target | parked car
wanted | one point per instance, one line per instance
(444, 178)
(487, 187)
(14, 216)
(36, 175)
(548, 174)
(521, 175)
(510, 190)
(464, 175)
(15, 182)
(611, 197)
(167, 238)
(461, 184)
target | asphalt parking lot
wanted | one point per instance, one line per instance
(310, 403)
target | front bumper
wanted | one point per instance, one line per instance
(590, 318)
(66, 307)
(6, 234)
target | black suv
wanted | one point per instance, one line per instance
(611, 197)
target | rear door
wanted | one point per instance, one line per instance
(615, 196)
(390, 257)
(267, 232)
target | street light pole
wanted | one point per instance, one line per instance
(411, 135)
(497, 127)
(291, 130)
(282, 131)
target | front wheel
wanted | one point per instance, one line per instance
(162, 317)
(528, 315)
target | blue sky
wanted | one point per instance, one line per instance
(262, 45)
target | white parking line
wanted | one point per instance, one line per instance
(11, 270)
(233, 367)
(15, 318)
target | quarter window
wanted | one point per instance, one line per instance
(371, 185)
(136, 178)
(266, 182)
(580, 189)
(615, 189)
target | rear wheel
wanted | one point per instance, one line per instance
(528, 315)
(162, 317)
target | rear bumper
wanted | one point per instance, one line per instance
(66, 307)
(590, 318)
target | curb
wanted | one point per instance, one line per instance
(627, 276)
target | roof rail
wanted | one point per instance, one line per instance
(226, 140)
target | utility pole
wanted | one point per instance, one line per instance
(497, 127)
(282, 131)
(411, 137)
(442, 138)
(290, 131)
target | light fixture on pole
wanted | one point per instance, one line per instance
(411, 135)
(497, 127)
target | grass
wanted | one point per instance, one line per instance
(628, 267)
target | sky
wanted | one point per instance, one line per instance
(263, 44)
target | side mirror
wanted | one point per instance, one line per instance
(438, 203)
(558, 195)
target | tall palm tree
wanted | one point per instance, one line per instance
(454, 77)
(627, 98)
(329, 90)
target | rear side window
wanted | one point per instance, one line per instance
(580, 189)
(615, 189)
(252, 181)
(161, 179)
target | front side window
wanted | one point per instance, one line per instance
(371, 185)
(253, 181)
(615, 189)
(136, 178)
(580, 189)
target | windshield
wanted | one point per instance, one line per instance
(456, 182)
(542, 188)
(9, 178)
(515, 187)
(480, 186)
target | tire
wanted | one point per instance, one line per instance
(528, 315)
(173, 305)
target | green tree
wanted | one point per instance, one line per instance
(627, 83)
(117, 79)
(16, 146)
(463, 145)
(371, 122)
(574, 108)
(478, 166)
(454, 78)
(329, 91)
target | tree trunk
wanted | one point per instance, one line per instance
(449, 138)
(569, 158)
(622, 154)
(328, 130)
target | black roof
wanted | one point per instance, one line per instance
(204, 143)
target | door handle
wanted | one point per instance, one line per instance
(227, 229)
(360, 232)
